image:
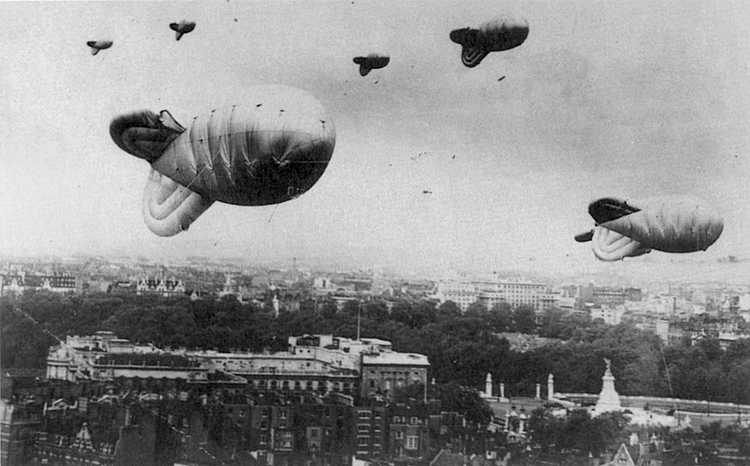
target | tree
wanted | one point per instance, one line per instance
(544, 428)
(329, 310)
(501, 317)
(423, 313)
(525, 319)
(352, 307)
(308, 306)
(448, 310)
(409, 393)
(476, 309)
(401, 311)
(456, 398)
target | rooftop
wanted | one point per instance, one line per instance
(398, 359)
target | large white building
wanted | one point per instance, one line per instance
(536, 295)
(324, 364)
(16, 283)
(317, 363)
(462, 293)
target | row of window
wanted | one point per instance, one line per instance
(365, 442)
(309, 385)
(415, 421)
(394, 373)
(368, 414)
(241, 364)
(365, 428)
(264, 415)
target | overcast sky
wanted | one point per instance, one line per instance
(632, 98)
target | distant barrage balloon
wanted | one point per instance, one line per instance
(493, 36)
(629, 228)
(181, 28)
(97, 45)
(269, 148)
(372, 61)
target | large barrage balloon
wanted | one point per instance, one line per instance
(493, 36)
(183, 27)
(629, 228)
(97, 45)
(372, 61)
(270, 148)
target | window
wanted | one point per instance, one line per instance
(413, 421)
(282, 414)
(372, 384)
(364, 414)
(399, 435)
(412, 443)
(363, 429)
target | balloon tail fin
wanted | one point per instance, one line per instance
(585, 237)
(611, 246)
(472, 56)
(168, 207)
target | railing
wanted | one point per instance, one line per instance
(682, 404)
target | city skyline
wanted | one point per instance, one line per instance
(436, 166)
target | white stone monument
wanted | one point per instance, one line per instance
(609, 400)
